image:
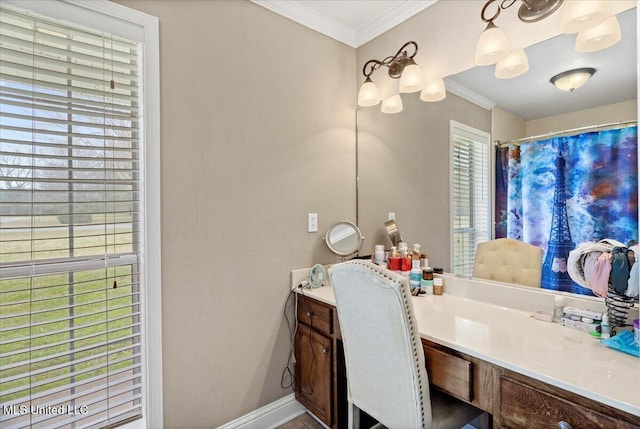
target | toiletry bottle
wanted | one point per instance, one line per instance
(415, 258)
(414, 278)
(427, 281)
(379, 254)
(394, 259)
(424, 261)
(558, 308)
(605, 328)
(405, 258)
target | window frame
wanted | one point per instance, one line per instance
(129, 23)
(471, 133)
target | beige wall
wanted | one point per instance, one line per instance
(506, 126)
(257, 130)
(624, 111)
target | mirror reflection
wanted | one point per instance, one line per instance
(344, 239)
(406, 161)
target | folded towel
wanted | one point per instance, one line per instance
(624, 342)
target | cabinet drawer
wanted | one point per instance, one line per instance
(315, 315)
(450, 373)
(522, 406)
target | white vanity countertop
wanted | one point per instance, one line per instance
(510, 338)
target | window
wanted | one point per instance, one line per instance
(470, 196)
(74, 276)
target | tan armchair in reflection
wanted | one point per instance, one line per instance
(509, 261)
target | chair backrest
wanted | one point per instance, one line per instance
(510, 261)
(386, 374)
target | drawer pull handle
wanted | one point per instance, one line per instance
(564, 425)
(308, 314)
(325, 351)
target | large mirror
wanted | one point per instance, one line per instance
(404, 158)
(532, 98)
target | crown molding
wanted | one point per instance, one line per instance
(298, 12)
(389, 20)
(469, 95)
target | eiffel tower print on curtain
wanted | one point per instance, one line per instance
(554, 268)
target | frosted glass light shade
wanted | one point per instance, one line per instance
(514, 65)
(579, 15)
(412, 79)
(599, 37)
(433, 91)
(392, 104)
(369, 94)
(492, 46)
(572, 79)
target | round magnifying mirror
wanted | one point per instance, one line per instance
(344, 238)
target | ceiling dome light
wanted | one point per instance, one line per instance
(492, 46)
(369, 94)
(412, 79)
(433, 91)
(579, 15)
(392, 104)
(599, 37)
(572, 79)
(514, 65)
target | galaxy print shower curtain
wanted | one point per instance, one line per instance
(563, 191)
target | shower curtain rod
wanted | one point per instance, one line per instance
(612, 125)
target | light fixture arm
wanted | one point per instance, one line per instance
(395, 63)
(530, 11)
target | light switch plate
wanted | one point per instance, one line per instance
(392, 216)
(312, 222)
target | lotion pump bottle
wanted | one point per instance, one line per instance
(605, 328)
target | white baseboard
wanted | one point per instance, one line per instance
(270, 416)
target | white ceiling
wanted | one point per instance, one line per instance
(530, 96)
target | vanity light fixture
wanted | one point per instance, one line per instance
(400, 66)
(433, 91)
(392, 104)
(579, 15)
(599, 37)
(493, 45)
(571, 80)
(589, 18)
(514, 65)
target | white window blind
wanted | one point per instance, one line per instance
(470, 196)
(70, 226)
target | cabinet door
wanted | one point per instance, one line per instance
(313, 372)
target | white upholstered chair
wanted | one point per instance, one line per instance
(510, 261)
(385, 362)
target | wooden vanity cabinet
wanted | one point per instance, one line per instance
(513, 400)
(529, 403)
(320, 381)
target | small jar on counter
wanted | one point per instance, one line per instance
(438, 287)
(426, 284)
